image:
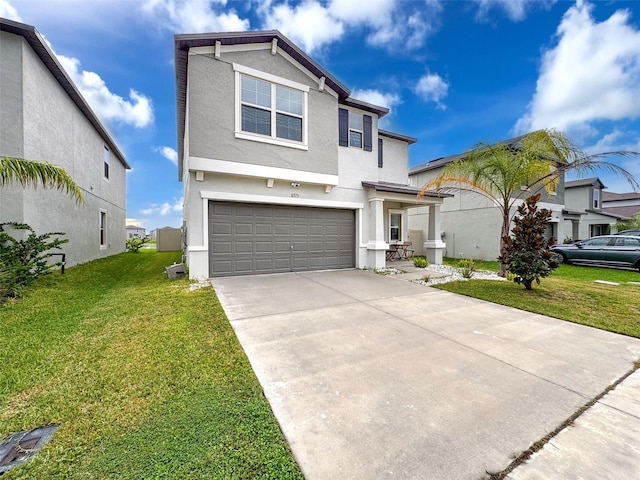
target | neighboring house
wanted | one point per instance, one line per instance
(134, 231)
(282, 169)
(470, 223)
(586, 197)
(622, 204)
(44, 117)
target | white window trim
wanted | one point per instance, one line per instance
(402, 220)
(596, 198)
(273, 80)
(103, 246)
(106, 160)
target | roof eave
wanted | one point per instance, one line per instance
(48, 58)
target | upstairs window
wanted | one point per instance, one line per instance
(380, 153)
(355, 130)
(596, 198)
(270, 109)
(106, 162)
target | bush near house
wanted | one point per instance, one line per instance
(22, 260)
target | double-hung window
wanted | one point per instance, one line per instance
(596, 199)
(355, 130)
(270, 109)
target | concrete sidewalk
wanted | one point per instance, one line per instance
(371, 377)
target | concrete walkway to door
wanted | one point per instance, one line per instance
(372, 377)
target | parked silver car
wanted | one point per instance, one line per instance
(617, 250)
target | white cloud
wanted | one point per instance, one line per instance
(164, 209)
(516, 10)
(8, 11)
(110, 107)
(193, 16)
(432, 88)
(308, 24)
(391, 24)
(376, 97)
(168, 153)
(593, 73)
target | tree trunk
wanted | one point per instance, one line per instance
(506, 221)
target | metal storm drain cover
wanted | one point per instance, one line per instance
(19, 447)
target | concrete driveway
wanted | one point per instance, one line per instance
(375, 377)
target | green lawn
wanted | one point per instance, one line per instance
(569, 293)
(145, 377)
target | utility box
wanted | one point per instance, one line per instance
(169, 239)
(415, 237)
(174, 271)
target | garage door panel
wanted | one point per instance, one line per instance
(250, 239)
(243, 229)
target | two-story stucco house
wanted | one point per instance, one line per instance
(471, 223)
(44, 117)
(587, 196)
(283, 170)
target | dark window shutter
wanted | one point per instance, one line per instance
(343, 127)
(380, 143)
(368, 137)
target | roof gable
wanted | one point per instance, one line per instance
(184, 42)
(585, 182)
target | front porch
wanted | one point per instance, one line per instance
(389, 204)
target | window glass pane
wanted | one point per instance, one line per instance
(395, 233)
(355, 122)
(256, 91)
(395, 220)
(288, 127)
(256, 120)
(288, 100)
(355, 139)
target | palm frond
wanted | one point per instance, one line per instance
(33, 174)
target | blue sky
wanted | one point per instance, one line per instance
(453, 73)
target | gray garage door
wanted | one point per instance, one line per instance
(246, 239)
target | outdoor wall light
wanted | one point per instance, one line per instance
(295, 184)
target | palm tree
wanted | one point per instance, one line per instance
(32, 173)
(505, 173)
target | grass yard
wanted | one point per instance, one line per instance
(145, 377)
(569, 293)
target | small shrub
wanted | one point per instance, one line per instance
(420, 262)
(467, 267)
(527, 252)
(135, 244)
(22, 261)
(510, 276)
(426, 278)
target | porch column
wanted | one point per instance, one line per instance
(376, 247)
(434, 246)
